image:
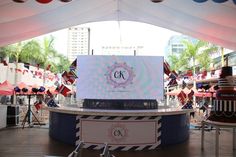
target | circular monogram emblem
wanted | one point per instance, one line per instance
(120, 75)
(118, 133)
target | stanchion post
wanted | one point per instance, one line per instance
(217, 141)
(202, 136)
(234, 140)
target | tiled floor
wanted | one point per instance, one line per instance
(35, 142)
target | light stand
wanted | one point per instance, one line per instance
(28, 115)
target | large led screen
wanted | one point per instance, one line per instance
(120, 77)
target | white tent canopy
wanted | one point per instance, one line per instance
(213, 22)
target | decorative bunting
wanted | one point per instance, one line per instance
(182, 97)
(68, 77)
(18, 70)
(188, 105)
(4, 63)
(190, 95)
(72, 74)
(189, 73)
(204, 74)
(48, 67)
(24, 71)
(172, 82)
(26, 65)
(37, 66)
(57, 84)
(166, 68)
(49, 93)
(38, 105)
(51, 103)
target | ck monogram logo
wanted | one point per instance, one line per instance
(119, 75)
(118, 132)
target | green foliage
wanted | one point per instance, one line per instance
(197, 53)
(36, 52)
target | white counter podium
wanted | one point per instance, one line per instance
(123, 130)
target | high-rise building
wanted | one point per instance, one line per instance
(175, 45)
(78, 42)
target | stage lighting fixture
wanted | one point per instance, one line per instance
(35, 90)
(24, 90)
(41, 89)
(44, 1)
(19, 1)
(17, 89)
(157, 1)
(65, 0)
(200, 1)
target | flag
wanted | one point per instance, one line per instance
(57, 83)
(172, 82)
(73, 65)
(189, 73)
(72, 74)
(188, 105)
(38, 105)
(37, 66)
(26, 65)
(173, 75)
(182, 97)
(166, 68)
(49, 93)
(24, 71)
(18, 70)
(184, 84)
(190, 95)
(51, 103)
(68, 77)
(4, 63)
(204, 74)
(63, 90)
(48, 67)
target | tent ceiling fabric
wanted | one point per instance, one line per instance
(213, 22)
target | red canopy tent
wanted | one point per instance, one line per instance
(6, 88)
(203, 94)
(174, 92)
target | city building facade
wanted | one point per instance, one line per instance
(78, 42)
(175, 45)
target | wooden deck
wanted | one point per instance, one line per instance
(35, 142)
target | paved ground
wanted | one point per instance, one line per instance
(35, 142)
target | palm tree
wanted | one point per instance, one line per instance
(3, 53)
(196, 52)
(48, 51)
(31, 52)
(14, 51)
(63, 63)
(48, 54)
(173, 61)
